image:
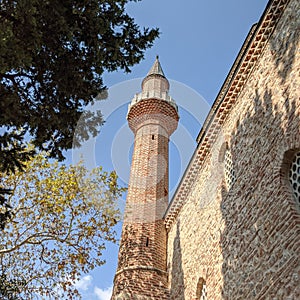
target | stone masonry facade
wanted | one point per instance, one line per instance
(244, 241)
(232, 229)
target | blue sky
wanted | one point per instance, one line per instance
(198, 44)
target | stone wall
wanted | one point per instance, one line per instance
(244, 242)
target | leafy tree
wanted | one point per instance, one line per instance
(61, 219)
(12, 156)
(53, 54)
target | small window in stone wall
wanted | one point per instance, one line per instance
(201, 293)
(294, 176)
(229, 170)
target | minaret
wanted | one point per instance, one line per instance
(153, 117)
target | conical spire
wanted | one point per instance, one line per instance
(155, 81)
(156, 68)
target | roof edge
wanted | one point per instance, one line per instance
(228, 80)
(229, 92)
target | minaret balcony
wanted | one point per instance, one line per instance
(152, 95)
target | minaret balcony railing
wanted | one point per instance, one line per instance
(152, 95)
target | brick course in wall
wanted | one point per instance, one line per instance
(244, 242)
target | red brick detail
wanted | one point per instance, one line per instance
(137, 284)
(142, 268)
(155, 111)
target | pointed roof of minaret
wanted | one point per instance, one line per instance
(156, 68)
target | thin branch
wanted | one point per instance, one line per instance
(45, 236)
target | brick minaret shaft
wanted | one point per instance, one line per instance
(153, 117)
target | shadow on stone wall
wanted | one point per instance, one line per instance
(260, 241)
(256, 258)
(284, 47)
(177, 283)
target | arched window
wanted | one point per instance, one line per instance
(294, 176)
(201, 293)
(229, 170)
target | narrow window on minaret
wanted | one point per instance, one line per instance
(152, 136)
(147, 242)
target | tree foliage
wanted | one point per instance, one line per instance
(61, 219)
(52, 58)
(53, 54)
